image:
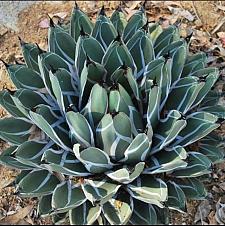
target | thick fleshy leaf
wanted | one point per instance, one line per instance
(167, 160)
(117, 54)
(141, 45)
(45, 206)
(214, 153)
(8, 159)
(124, 76)
(94, 159)
(136, 21)
(153, 106)
(118, 19)
(87, 46)
(217, 110)
(194, 63)
(167, 130)
(15, 131)
(104, 31)
(80, 129)
(118, 210)
(85, 214)
(51, 123)
(166, 37)
(92, 73)
(44, 184)
(149, 190)
(186, 91)
(193, 189)
(127, 174)
(138, 150)
(30, 53)
(64, 89)
(178, 61)
(61, 43)
(63, 162)
(198, 165)
(23, 77)
(97, 105)
(50, 61)
(99, 192)
(26, 100)
(143, 214)
(8, 104)
(176, 197)
(67, 196)
(199, 124)
(79, 20)
(209, 81)
(114, 137)
(31, 152)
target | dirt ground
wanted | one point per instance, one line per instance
(205, 19)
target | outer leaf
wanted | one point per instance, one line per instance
(79, 20)
(86, 214)
(149, 190)
(198, 165)
(118, 19)
(67, 196)
(43, 184)
(143, 214)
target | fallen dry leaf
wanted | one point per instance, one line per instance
(203, 211)
(220, 213)
(181, 12)
(44, 23)
(16, 218)
(61, 15)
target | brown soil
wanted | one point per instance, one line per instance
(29, 30)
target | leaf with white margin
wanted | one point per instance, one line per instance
(100, 192)
(63, 87)
(186, 91)
(213, 152)
(51, 124)
(31, 152)
(45, 206)
(97, 105)
(94, 159)
(103, 30)
(199, 124)
(217, 110)
(61, 43)
(127, 174)
(176, 197)
(143, 214)
(79, 20)
(118, 210)
(15, 131)
(67, 196)
(167, 130)
(23, 77)
(138, 150)
(63, 162)
(154, 99)
(37, 183)
(149, 190)
(135, 22)
(198, 165)
(80, 129)
(7, 159)
(141, 45)
(193, 188)
(85, 214)
(119, 20)
(113, 136)
(168, 160)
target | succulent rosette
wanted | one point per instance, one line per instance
(113, 123)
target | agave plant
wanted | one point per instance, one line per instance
(113, 123)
